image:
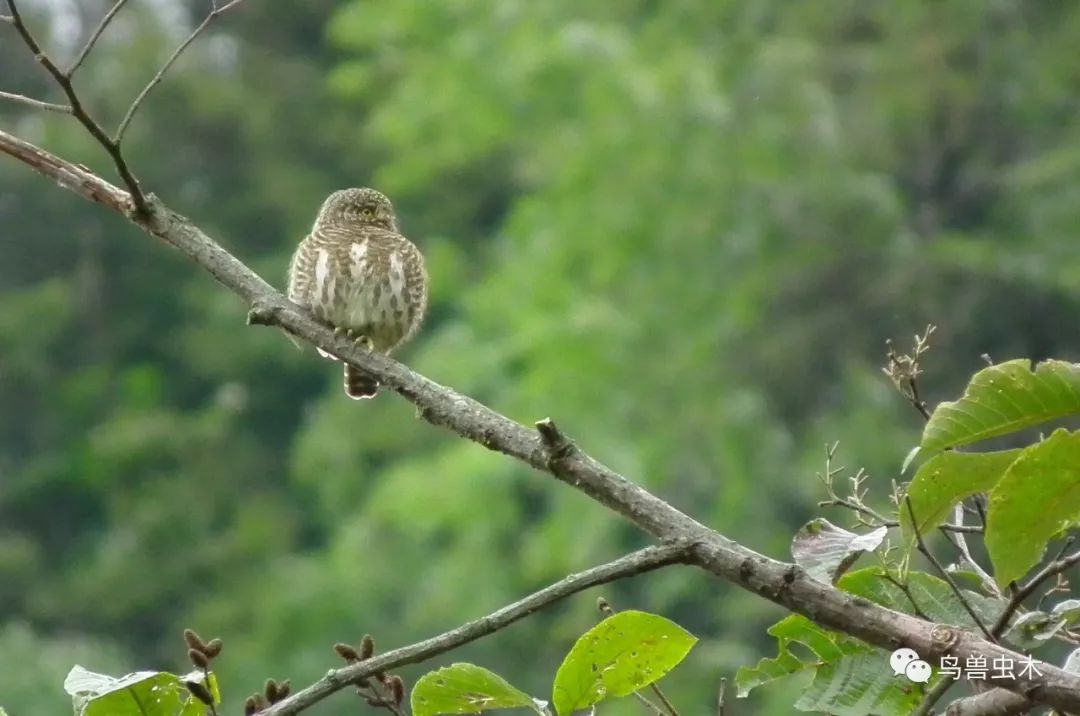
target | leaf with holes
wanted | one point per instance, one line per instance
(826, 551)
(466, 689)
(1002, 399)
(143, 693)
(946, 479)
(617, 657)
(1036, 499)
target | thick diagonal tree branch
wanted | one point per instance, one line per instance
(549, 451)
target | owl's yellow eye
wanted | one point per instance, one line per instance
(367, 212)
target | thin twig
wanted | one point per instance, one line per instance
(1065, 545)
(649, 704)
(907, 592)
(645, 560)
(1054, 568)
(211, 16)
(80, 113)
(904, 370)
(35, 103)
(933, 696)
(7, 19)
(720, 698)
(945, 574)
(206, 680)
(94, 37)
(960, 542)
(879, 519)
(380, 694)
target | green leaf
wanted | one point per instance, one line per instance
(1069, 610)
(466, 689)
(143, 693)
(619, 656)
(946, 479)
(1035, 500)
(1002, 399)
(860, 684)
(826, 551)
(933, 596)
(1033, 629)
(825, 646)
(851, 678)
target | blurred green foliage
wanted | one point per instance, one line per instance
(683, 229)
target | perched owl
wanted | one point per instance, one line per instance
(356, 273)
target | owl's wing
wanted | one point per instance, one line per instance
(301, 270)
(416, 285)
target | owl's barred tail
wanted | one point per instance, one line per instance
(358, 384)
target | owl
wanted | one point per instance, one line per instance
(356, 273)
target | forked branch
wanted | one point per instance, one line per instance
(553, 453)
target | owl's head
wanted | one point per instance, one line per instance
(357, 207)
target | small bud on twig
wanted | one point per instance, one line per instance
(194, 641)
(347, 652)
(198, 658)
(367, 647)
(397, 689)
(200, 692)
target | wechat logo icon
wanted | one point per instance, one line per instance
(905, 662)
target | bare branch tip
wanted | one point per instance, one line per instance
(550, 433)
(92, 40)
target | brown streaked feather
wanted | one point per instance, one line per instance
(362, 276)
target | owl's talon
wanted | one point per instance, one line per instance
(340, 331)
(363, 343)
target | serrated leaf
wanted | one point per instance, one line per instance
(946, 479)
(1033, 629)
(1002, 399)
(851, 678)
(824, 646)
(826, 551)
(143, 693)
(860, 684)
(466, 689)
(1035, 500)
(617, 657)
(933, 596)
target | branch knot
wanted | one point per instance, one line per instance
(557, 446)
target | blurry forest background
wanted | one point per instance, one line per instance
(684, 229)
